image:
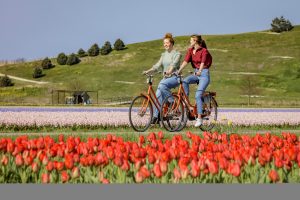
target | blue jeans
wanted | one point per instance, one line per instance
(164, 90)
(204, 80)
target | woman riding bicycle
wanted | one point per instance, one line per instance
(201, 61)
(169, 61)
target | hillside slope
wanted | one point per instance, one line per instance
(271, 60)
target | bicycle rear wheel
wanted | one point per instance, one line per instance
(172, 113)
(211, 115)
(140, 113)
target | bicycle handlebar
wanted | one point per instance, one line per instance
(151, 74)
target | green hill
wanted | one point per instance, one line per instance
(271, 60)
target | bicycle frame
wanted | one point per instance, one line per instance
(151, 96)
(184, 98)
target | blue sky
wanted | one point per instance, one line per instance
(33, 29)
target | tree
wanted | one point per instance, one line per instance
(119, 45)
(94, 50)
(46, 63)
(106, 49)
(81, 53)
(73, 59)
(62, 59)
(37, 72)
(5, 81)
(249, 87)
(281, 24)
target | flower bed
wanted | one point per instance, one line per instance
(190, 158)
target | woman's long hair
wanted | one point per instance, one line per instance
(199, 40)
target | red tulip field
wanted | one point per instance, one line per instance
(155, 157)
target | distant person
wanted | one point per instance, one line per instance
(169, 62)
(201, 61)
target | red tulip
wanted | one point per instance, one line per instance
(151, 137)
(19, 160)
(137, 164)
(59, 166)
(160, 135)
(35, 167)
(234, 169)
(151, 158)
(141, 140)
(195, 171)
(139, 177)
(10, 147)
(45, 178)
(177, 175)
(157, 171)
(61, 138)
(105, 181)
(64, 176)
(213, 167)
(184, 171)
(28, 160)
(69, 163)
(273, 175)
(110, 153)
(75, 172)
(125, 166)
(90, 160)
(50, 166)
(163, 166)
(145, 172)
(4, 160)
(223, 163)
(189, 134)
(118, 161)
(278, 162)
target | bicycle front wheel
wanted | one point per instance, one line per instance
(172, 113)
(140, 113)
(211, 114)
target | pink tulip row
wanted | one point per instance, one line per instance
(121, 118)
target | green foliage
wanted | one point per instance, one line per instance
(81, 53)
(94, 50)
(37, 72)
(5, 81)
(46, 63)
(62, 59)
(106, 48)
(73, 59)
(119, 45)
(281, 24)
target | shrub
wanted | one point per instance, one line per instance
(81, 53)
(73, 59)
(46, 63)
(62, 59)
(281, 24)
(5, 81)
(94, 50)
(37, 72)
(119, 45)
(106, 49)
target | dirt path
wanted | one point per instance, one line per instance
(23, 79)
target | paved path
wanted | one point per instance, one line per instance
(23, 79)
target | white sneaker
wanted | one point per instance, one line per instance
(198, 122)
